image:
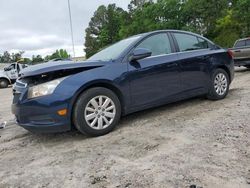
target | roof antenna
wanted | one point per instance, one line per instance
(71, 27)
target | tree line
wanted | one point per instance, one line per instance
(222, 21)
(8, 57)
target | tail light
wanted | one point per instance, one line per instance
(230, 53)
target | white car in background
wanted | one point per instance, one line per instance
(10, 73)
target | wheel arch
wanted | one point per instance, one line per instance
(7, 79)
(225, 68)
(104, 84)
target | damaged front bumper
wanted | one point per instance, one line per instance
(40, 114)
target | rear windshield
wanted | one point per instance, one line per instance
(240, 43)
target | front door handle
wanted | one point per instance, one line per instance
(237, 50)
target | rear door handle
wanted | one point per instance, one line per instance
(237, 50)
(172, 65)
(206, 57)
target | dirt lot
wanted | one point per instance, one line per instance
(195, 142)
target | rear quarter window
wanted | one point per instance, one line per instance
(203, 44)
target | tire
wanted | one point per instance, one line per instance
(97, 111)
(219, 85)
(4, 83)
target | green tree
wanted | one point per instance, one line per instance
(223, 21)
(17, 56)
(103, 28)
(148, 16)
(27, 60)
(201, 15)
(61, 53)
(227, 30)
(241, 12)
(137, 4)
(6, 57)
(144, 18)
(37, 59)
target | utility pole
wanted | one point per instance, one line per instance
(71, 28)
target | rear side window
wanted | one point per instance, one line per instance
(188, 42)
(158, 44)
(248, 42)
(203, 44)
(240, 43)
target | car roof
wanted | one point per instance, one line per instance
(171, 30)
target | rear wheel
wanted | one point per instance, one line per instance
(4, 83)
(219, 86)
(97, 111)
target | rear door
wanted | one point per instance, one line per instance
(194, 62)
(156, 78)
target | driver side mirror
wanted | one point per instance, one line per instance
(140, 53)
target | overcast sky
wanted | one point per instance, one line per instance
(42, 26)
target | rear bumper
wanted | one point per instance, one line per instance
(40, 116)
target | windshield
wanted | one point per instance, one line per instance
(114, 51)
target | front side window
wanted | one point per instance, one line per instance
(240, 43)
(158, 44)
(12, 67)
(188, 42)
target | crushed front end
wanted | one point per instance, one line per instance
(42, 114)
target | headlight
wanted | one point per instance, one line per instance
(44, 89)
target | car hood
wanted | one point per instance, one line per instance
(52, 67)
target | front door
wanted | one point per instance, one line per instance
(154, 79)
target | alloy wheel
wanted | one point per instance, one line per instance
(220, 84)
(100, 112)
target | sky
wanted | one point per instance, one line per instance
(39, 27)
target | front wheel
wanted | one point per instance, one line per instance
(97, 111)
(219, 86)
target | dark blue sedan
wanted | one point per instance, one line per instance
(137, 73)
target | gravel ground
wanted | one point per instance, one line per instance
(194, 142)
